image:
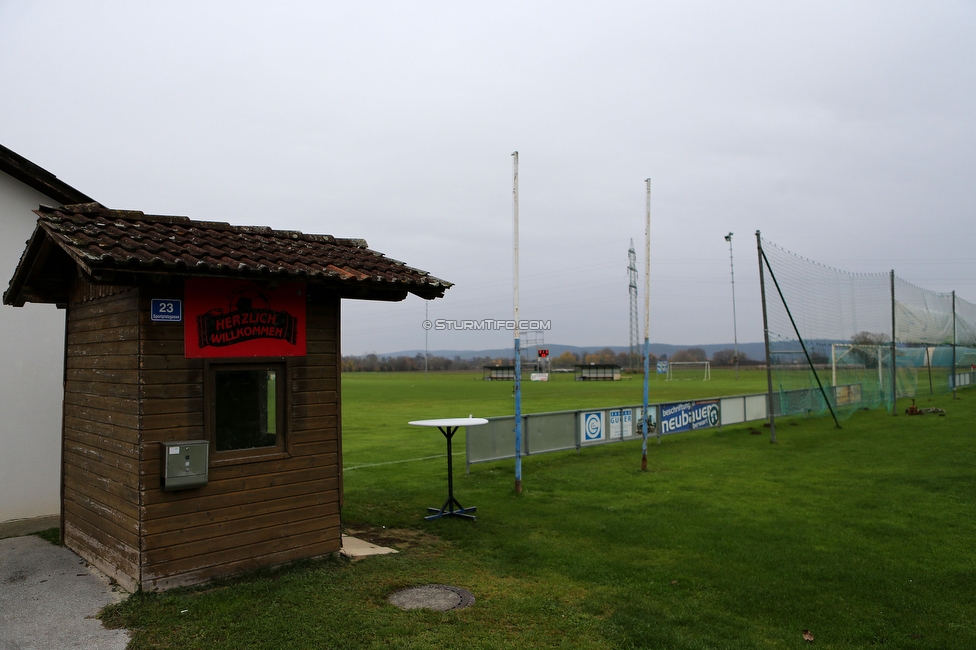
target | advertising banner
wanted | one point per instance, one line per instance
(617, 427)
(639, 420)
(689, 416)
(234, 318)
(592, 426)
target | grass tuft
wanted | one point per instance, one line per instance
(52, 535)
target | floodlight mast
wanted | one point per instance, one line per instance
(518, 351)
(735, 332)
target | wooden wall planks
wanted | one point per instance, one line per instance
(250, 513)
(101, 432)
(129, 387)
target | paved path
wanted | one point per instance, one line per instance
(49, 597)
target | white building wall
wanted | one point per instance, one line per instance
(31, 372)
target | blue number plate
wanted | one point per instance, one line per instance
(166, 311)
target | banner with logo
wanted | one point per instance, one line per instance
(234, 318)
(621, 423)
(689, 416)
(592, 426)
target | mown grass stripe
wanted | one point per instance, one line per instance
(396, 462)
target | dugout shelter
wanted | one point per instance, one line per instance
(598, 372)
(201, 433)
(499, 373)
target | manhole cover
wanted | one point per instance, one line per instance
(442, 598)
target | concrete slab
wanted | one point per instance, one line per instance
(356, 549)
(20, 527)
(49, 598)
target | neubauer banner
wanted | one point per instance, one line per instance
(230, 318)
(689, 416)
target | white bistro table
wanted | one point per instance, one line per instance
(449, 426)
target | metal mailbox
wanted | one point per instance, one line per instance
(185, 464)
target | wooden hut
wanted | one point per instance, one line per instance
(215, 339)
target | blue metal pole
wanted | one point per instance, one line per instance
(647, 371)
(647, 322)
(518, 347)
(518, 417)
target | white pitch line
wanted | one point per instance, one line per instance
(395, 462)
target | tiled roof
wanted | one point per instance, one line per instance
(99, 239)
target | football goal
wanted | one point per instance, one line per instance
(693, 370)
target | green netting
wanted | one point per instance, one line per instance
(830, 337)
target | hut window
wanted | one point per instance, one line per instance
(247, 406)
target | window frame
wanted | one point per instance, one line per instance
(282, 448)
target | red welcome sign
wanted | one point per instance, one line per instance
(235, 318)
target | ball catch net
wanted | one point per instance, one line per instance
(842, 341)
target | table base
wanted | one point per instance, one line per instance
(448, 510)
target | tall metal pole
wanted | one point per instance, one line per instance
(894, 355)
(426, 332)
(518, 349)
(881, 371)
(735, 329)
(833, 365)
(769, 358)
(928, 365)
(954, 376)
(647, 324)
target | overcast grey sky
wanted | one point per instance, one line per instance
(843, 130)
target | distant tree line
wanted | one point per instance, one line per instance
(727, 358)
(565, 361)
(374, 363)
(568, 359)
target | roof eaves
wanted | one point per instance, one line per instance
(38, 178)
(72, 251)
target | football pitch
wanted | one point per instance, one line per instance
(863, 536)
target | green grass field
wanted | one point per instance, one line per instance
(862, 535)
